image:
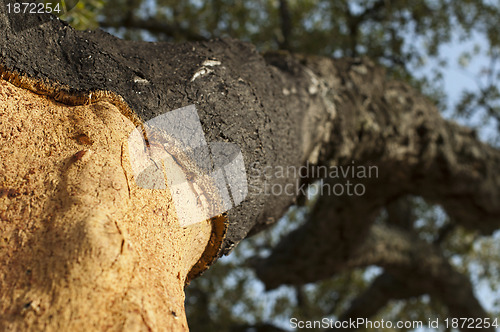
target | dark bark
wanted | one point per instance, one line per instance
(386, 123)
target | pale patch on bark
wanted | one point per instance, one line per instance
(82, 247)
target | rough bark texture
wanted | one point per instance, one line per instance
(387, 124)
(281, 110)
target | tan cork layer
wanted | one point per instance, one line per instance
(83, 247)
(65, 95)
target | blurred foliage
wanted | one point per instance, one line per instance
(408, 38)
(82, 14)
(228, 297)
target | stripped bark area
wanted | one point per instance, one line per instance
(281, 109)
(82, 246)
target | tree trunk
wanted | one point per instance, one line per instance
(83, 247)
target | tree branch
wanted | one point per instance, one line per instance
(286, 25)
(384, 288)
(421, 268)
(417, 151)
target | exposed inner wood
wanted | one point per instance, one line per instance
(82, 247)
(65, 95)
